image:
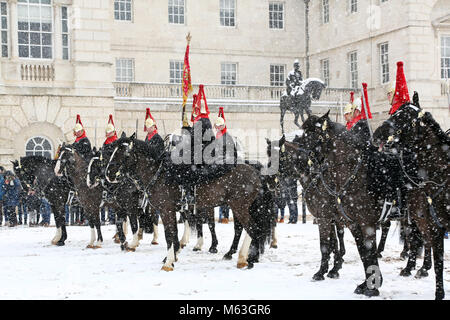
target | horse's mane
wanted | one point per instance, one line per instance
(436, 128)
(33, 160)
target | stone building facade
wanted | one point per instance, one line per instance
(61, 58)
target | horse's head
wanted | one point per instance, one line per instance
(95, 169)
(26, 176)
(314, 87)
(123, 159)
(402, 129)
(317, 132)
(66, 159)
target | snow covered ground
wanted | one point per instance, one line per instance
(31, 268)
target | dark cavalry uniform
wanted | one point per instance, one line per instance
(83, 147)
(156, 145)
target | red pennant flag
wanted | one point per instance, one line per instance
(187, 85)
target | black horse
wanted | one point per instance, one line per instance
(37, 172)
(300, 100)
(295, 161)
(422, 148)
(134, 156)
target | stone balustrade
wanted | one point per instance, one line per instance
(37, 72)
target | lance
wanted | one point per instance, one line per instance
(95, 132)
(137, 122)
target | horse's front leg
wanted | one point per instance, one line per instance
(59, 224)
(120, 224)
(98, 226)
(325, 248)
(134, 229)
(198, 246)
(384, 233)
(237, 235)
(214, 242)
(92, 228)
(169, 219)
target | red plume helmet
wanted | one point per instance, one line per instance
(401, 95)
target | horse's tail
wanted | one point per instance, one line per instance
(263, 214)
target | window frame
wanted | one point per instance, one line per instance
(176, 71)
(281, 73)
(223, 80)
(233, 9)
(326, 78)
(352, 72)
(5, 30)
(325, 11)
(352, 4)
(33, 152)
(442, 67)
(125, 11)
(384, 63)
(276, 21)
(29, 31)
(178, 15)
(123, 79)
(65, 33)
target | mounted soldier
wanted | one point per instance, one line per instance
(82, 144)
(111, 136)
(294, 80)
(356, 122)
(225, 152)
(153, 139)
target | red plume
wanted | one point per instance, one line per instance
(111, 119)
(221, 114)
(366, 99)
(148, 115)
(78, 120)
(401, 95)
(352, 97)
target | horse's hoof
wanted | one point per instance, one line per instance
(54, 242)
(379, 256)
(361, 288)
(213, 250)
(129, 249)
(182, 246)
(89, 246)
(167, 268)
(250, 265)
(97, 246)
(155, 242)
(196, 249)
(227, 257)
(116, 241)
(421, 273)
(274, 246)
(371, 292)
(440, 295)
(333, 275)
(318, 277)
(60, 243)
(242, 265)
(404, 255)
(405, 273)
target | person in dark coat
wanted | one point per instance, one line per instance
(82, 144)
(11, 199)
(292, 199)
(153, 139)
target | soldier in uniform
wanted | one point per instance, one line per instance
(225, 147)
(294, 78)
(153, 139)
(107, 150)
(82, 144)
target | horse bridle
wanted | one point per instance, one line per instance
(129, 147)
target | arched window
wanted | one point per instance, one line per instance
(39, 146)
